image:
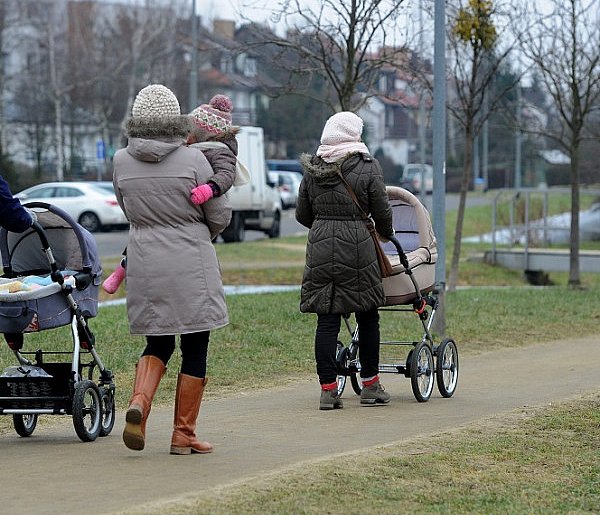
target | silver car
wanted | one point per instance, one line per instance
(288, 184)
(92, 204)
(414, 173)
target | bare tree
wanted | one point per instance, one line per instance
(336, 42)
(84, 58)
(564, 47)
(58, 90)
(477, 56)
(115, 50)
(3, 24)
(21, 90)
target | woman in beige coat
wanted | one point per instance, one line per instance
(173, 277)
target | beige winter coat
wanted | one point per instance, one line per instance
(173, 276)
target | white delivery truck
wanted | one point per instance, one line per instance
(256, 205)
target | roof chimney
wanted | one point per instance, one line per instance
(224, 28)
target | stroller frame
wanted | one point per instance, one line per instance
(66, 388)
(427, 362)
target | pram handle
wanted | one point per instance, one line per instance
(39, 229)
(55, 275)
(401, 254)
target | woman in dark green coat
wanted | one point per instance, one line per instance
(342, 273)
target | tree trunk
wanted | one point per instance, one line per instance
(2, 120)
(574, 278)
(464, 188)
(58, 128)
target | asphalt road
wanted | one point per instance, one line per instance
(259, 432)
(111, 244)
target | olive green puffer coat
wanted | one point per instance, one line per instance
(341, 273)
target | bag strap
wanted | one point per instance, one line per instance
(353, 196)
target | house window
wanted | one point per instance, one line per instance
(401, 85)
(226, 65)
(250, 67)
(389, 118)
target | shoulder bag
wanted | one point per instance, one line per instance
(384, 263)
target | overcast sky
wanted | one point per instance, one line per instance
(264, 11)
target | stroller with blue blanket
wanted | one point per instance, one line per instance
(51, 279)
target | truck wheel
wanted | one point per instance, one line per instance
(235, 231)
(275, 230)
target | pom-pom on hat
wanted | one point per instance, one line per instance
(155, 100)
(343, 127)
(215, 116)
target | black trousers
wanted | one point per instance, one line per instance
(326, 337)
(194, 350)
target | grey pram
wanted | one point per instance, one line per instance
(51, 279)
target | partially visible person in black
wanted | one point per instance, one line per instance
(13, 216)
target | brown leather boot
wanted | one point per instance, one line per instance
(148, 373)
(187, 406)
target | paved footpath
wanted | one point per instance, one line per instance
(259, 431)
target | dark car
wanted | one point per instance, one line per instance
(291, 165)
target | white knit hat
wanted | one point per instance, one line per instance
(155, 100)
(343, 127)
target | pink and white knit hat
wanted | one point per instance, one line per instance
(215, 116)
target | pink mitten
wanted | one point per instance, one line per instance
(114, 280)
(201, 194)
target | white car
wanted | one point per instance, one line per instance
(288, 184)
(92, 204)
(413, 175)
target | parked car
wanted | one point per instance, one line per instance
(412, 177)
(92, 204)
(288, 184)
(285, 164)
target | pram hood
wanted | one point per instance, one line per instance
(73, 247)
(414, 233)
(412, 226)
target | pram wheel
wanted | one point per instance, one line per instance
(107, 399)
(446, 369)
(341, 384)
(354, 367)
(341, 359)
(87, 410)
(25, 424)
(422, 372)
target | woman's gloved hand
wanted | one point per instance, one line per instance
(32, 215)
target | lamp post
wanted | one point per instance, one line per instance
(439, 157)
(194, 60)
(518, 140)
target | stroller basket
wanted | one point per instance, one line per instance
(23, 390)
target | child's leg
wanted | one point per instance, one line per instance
(113, 281)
